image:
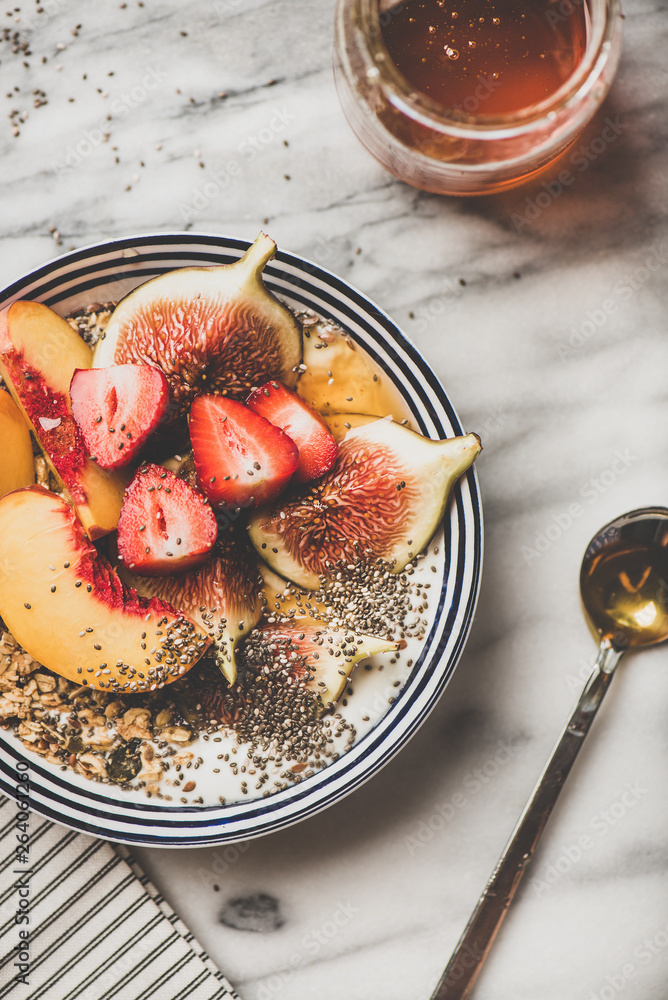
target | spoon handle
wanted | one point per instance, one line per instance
(473, 947)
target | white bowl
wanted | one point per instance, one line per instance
(106, 272)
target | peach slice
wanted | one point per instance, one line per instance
(69, 610)
(17, 468)
(338, 377)
(39, 353)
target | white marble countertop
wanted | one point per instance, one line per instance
(223, 118)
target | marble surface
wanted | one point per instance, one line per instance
(222, 117)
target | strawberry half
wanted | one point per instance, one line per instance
(166, 526)
(116, 409)
(285, 409)
(241, 459)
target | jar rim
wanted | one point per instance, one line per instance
(420, 107)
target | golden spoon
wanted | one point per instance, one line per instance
(624, 589)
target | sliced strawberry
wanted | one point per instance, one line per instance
(242, 460)
(116, 409)
(285, 409)
(166, 526)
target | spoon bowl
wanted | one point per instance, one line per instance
(624, 579)
(624, 590)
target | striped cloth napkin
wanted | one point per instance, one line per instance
(79, 920)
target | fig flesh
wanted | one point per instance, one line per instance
(384, 498)
(340, 423)
(222, 596)
(285, 601)
(209, 329)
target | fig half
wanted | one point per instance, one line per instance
(209, 329)
(320, 656)
(222, 596)
(384, 498)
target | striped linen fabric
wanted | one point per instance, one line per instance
(96, 928)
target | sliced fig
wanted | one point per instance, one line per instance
(222, 595)
(209, 329)
(206, 701)
(284, 600)
(67, 607)
(384, 498)
(320, 656)
(340, 423)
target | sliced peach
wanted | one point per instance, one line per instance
(67, 607)
(339, 377)
(17, 467)
(39, 353)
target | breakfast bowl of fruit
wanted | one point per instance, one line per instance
(240, 539)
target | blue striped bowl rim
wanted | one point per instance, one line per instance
(83, 276)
